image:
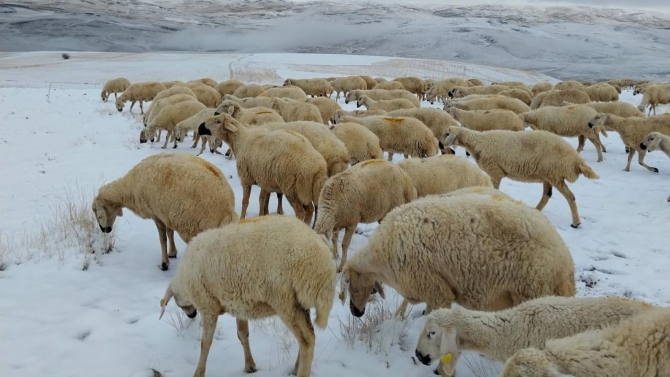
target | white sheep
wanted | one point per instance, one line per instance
(292, 273)
(115, 86)
(248, 103)
(380, 94)
(355, 113)
(487, 120)
(440, 90)
(191, 124)
(253, 116)
(656, 141)
(369, 81)
(541, 87)
(654, 95)
(362, 144)
(530, 324)
(312, 87)
(364, 193)
(490, 103)
(277, 161)
(346, 84)
(160, 104)
(390, 85)
(139, 92)
(436, 120)
(290, 92)
(570, 85)
(150, 191)
(481, 252)
(207, 95)
(475, 82)
(248, 91)
(292, 110)
(523, 156)
(386, 105)
(602, 92)
(168, 118)
(522, 95)
(622, 109)
(462, 91)
(228, 87)
(636, 347)
(556, 98)
(413, 85)
(327, 107)
(170, 84)
(208, 82)
(172, 91)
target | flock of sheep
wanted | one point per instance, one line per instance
(446, 233)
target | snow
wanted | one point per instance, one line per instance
(66, 312)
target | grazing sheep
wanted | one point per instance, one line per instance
(386, 105)
(639, 88)
(481, 252)
(616, 82)
(228, 87)
(364, 193)
(254, 116)
(440, 90)
(369, 81)
(436, 120)
(541, 88)
(538, 156)
(248, 91)
(390, 85)
(530, 324)
(463, 91)
(208, 96)
(511, 84)
(520, 94)
(346, 84)
(170, 84)
(173, 91)
(379, 95)
(361, 143)
(490, 103)
(355, 113)
(475, 82)
(656, 141)
(487, 120)
(413, 85)
(159, 105)
(400, 135)
(556, 98)
(251, 102)
(292, 110)
(194, 84)
(168, 118)
(568, 121)
(570, 85)
(191, 124)
(139, 92)
(208, 82)
(602, 92)
(621, 109)
(442, 174)
(636, 347)
(114, 86)
(150, 191)
(633, 131)
(327, 107)
(277, 161)
(312, 87)
(655, 95)
(291, 92)
(292, 273)
(380, 79)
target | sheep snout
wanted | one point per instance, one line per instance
(107, 229)
(642, 146)
(202, 130)
(424, 359)
(355, 311)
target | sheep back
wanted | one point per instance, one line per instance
(442, 174)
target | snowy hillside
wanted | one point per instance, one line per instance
(67, 312)
(565, 42)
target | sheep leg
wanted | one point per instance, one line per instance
(348, 233)
(114, 97)
(141, 109)
(280, 207)
(570, 197)
(229, 154)
(599, 147)
(309, 213)
(132, 103)
(334, 239)
(208, 327)
(174, 138)
(196, 138)
(640, 160)
(402, 310)
(173, 247)
(162, 237)
(246, 192)
(167, 138)
(631, 153)
(299, 322)
(264, 203)
(202, 147)
(390, 156)
(297, 208)
(546, 194)
(601, 143)
(159, 135)
(582, 141)
(495, 179)
(243, 336)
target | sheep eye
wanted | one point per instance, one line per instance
(431, 333)
(218, 121)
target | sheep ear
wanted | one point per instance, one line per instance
(378, 287)
(165, 300)
(230, 126)
(344, 289)
(231, 110)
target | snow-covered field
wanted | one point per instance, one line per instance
(66, 312)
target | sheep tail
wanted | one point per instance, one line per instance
(586, 170)
(324, 304)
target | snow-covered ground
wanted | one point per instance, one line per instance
(65, 312)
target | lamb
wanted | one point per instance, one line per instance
(497, 334)
(413, 85)
(520, 94)
(228, 87)
(191, 124)
(491, 103)
(636, 347)
(355, 113)
(249, 91)
(150, 192)
(364, 193)
(369, 81)
(139, 92)
(656, 141)
(400, 135)
(570, 85)
(556, 97)
(168, 118)
(213, 280)
(326, 106)
(541, 88)
(530, 161)
(291, 92)
(440, 90)
(292, 110)
(346, 84)
(390, 85)
(633, 131)
(312, 87)
(297, 169)
(655, 95)
(435, 119)
(208, 96)
(361, 143)
(487, 120)
(325, 142)
(379, 95)
(386, 105)
(442, 174)
(602, 92)
(115, 86)
(481, 252)
(568, 121)
(475, 82)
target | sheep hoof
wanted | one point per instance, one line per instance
(174, 147)
(437, 372)
(174, 256)
(152, 140)
(251, 369)
(164, 266)
(655, 170)
(575, 225)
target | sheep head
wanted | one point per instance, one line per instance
(451, 136)
(530, 362)
(438, 342)
(119, 104)
(598, 121)
(351, 96)
(105, 213)
(103, 96)
(287, 82)
(651, 141)
(360, 287)
(362, 101)
(221, 126)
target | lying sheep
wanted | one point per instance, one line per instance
(530, 324)
(520, 94)
(440, 90)
(633, 131)
(364, 193)
(168, 118)
(312, 87)
(568, 121)
(118, 85)
(487, 120)
(529, 161)
(150, 192)
(413, 85)
(228, 87)
(400, 135)
(208, 96)
(656, 141)
(570, 85)
(291, 92)
(556, 98)
(442, 174)
(390, 85)
(139, 92)
(276, 161)
(638, 346)
(655, 95)
(326, 106)
(369, 81)
(346, 84)
(361, 143)
(294, 275)
(379, 95)
(355, 113)
(602, 92)
(475, 82)
(386, 105)
(191, 124)
(436, 120)
(490, 103)
(480, 252)
(540, 88)
(462, 91)
(249, 91)
(292, 110)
